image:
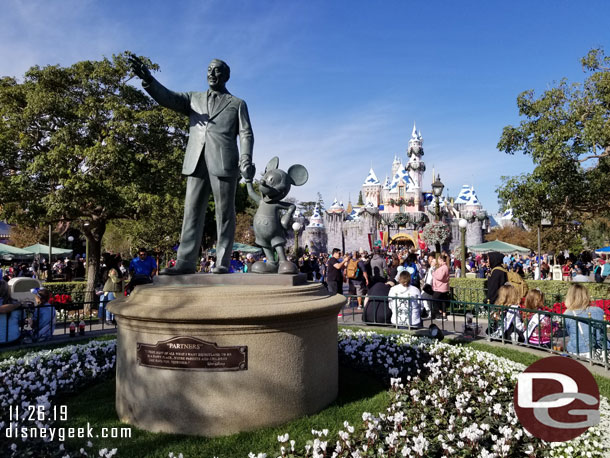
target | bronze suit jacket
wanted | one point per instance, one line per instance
(213, 134)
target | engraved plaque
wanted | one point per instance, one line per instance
(190, 353)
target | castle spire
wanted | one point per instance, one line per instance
(416, 143)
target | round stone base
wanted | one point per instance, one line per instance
(218, 359)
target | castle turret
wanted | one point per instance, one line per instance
(396, 165)
(315, 235)
(473, 203)
(371, 189)
(416, 166)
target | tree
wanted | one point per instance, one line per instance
(595, 231)
(513, 234)
(321, 201)
(22, 236)
(244, 233)
(158, 231)
(80, 145)
(360, 201)
(567, 134)
(308, 208)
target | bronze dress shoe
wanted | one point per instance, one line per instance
(260, 267)
(220, 270)
(181, 268)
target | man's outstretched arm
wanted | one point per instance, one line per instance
(177, 101)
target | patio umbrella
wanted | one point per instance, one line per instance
(242, 248)
(41, 249)
(604, 250)
(10, 252)
(498, 245)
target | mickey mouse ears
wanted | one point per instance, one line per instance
(297, 173)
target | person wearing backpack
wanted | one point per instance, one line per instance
(515, 278)
(497, 277)
(411, 261)
(357, 275)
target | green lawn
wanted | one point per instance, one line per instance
(358, 393)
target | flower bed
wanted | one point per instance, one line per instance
(447, 400)
(451, 401)
(34, 380)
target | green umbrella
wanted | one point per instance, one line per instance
(11, 252)
(44, 250)
(242, 248)
(498, 245)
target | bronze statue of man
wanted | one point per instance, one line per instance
(212, 160)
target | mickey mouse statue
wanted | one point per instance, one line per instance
(269, 226)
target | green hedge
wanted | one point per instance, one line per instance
(473, 289)
(76, 289)
(468, 289)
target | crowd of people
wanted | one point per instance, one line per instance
(402, 288)
(35, 320)
(395, 286)
(581, 268)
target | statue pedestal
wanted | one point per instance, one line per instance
(201, 356)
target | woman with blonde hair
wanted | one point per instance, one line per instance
(113, 287)
(578, 305)
(539, 328)
(508, 296)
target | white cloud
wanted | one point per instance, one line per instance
(337, 150)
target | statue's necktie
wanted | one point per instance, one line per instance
(213, 100)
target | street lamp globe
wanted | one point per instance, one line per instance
(296, 226)
(462, 223)
(70, 239)
(437, 187)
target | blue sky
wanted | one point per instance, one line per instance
(337, 85)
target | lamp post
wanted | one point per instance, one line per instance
(463, 224)
(437, 190)
(296, 227)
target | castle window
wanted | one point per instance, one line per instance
(401, 191)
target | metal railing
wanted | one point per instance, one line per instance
(23, 324)
(539, 329)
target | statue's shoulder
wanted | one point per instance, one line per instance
(237, 100)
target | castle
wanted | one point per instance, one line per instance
(394, 213)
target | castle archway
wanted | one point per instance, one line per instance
(403, 240)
